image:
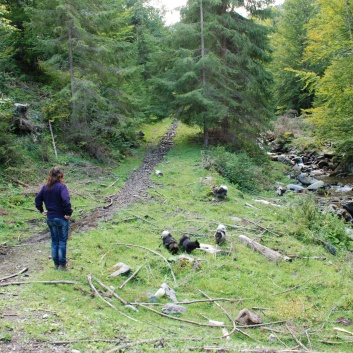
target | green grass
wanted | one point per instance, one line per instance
(306, 295)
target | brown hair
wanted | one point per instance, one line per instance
(55, 176)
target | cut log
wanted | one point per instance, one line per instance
(265, 251)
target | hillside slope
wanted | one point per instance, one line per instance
(304, 304)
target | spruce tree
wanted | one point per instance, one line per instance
(84, 46)
(216, 78)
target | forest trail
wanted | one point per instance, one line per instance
(31, 253)
(136, 185)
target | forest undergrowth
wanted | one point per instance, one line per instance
(305, 303)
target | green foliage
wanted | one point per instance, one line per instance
(312, 225)
(289, 41)
(9, 147)
(238, 168)
(330, 37)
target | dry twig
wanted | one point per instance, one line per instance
(152, 340)
(109, 204)
(83, 341)
(89, 277)
(176, 318)
(342, 330)
(112, 184)
(296, 339)
(14, 275)
(198, 301)
(229, 317)
(130, 278)
(30, 282)
(298, 286)
(255, 350)
(154, 252)
(263, 228)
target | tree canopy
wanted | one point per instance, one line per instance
(103, 68)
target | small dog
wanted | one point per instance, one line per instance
(220, 234)
(187, 244)
(169, 242)
(220, 191)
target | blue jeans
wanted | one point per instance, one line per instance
(59, 232)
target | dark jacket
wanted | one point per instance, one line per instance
(56, 200)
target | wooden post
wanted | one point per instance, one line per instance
(52, 137)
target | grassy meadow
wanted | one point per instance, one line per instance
(301, 302)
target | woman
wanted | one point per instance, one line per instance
(56, 198)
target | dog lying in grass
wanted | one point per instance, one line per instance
(169, 242)
(187, 244)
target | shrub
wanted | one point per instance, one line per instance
(238, 168)
(314, 226)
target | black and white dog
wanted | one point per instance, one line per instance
(169, 242)
(220, 234)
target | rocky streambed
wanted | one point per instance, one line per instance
(323, 174)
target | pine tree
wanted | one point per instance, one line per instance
(84, 46)
(216, 78)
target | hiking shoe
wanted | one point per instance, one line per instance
(62, 268)
(56, 267)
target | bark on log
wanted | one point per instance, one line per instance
(265, 251)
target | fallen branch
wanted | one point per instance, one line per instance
(265, 324)
(249, 205)
(110, 203)
(154, 252)
(123, 301)
(198, 301)
(89, 277)
(123, 220)
(152, 340)
(130, 278)
(342, 330)
(264, 250)
(296, 339)
(14, 275)
(331, 342)
(298, 286)
(109, 186)
(229, 317)
(31, 282)
(307, 257)
(145, 220)
(263, 228)
(255, 350)
(176, 318)
(82, 341)
(14, 180)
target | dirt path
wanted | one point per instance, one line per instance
(137, 184)
(33, 254)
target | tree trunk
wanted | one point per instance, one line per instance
(205, 125)
(72, 76)
(265, 251)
